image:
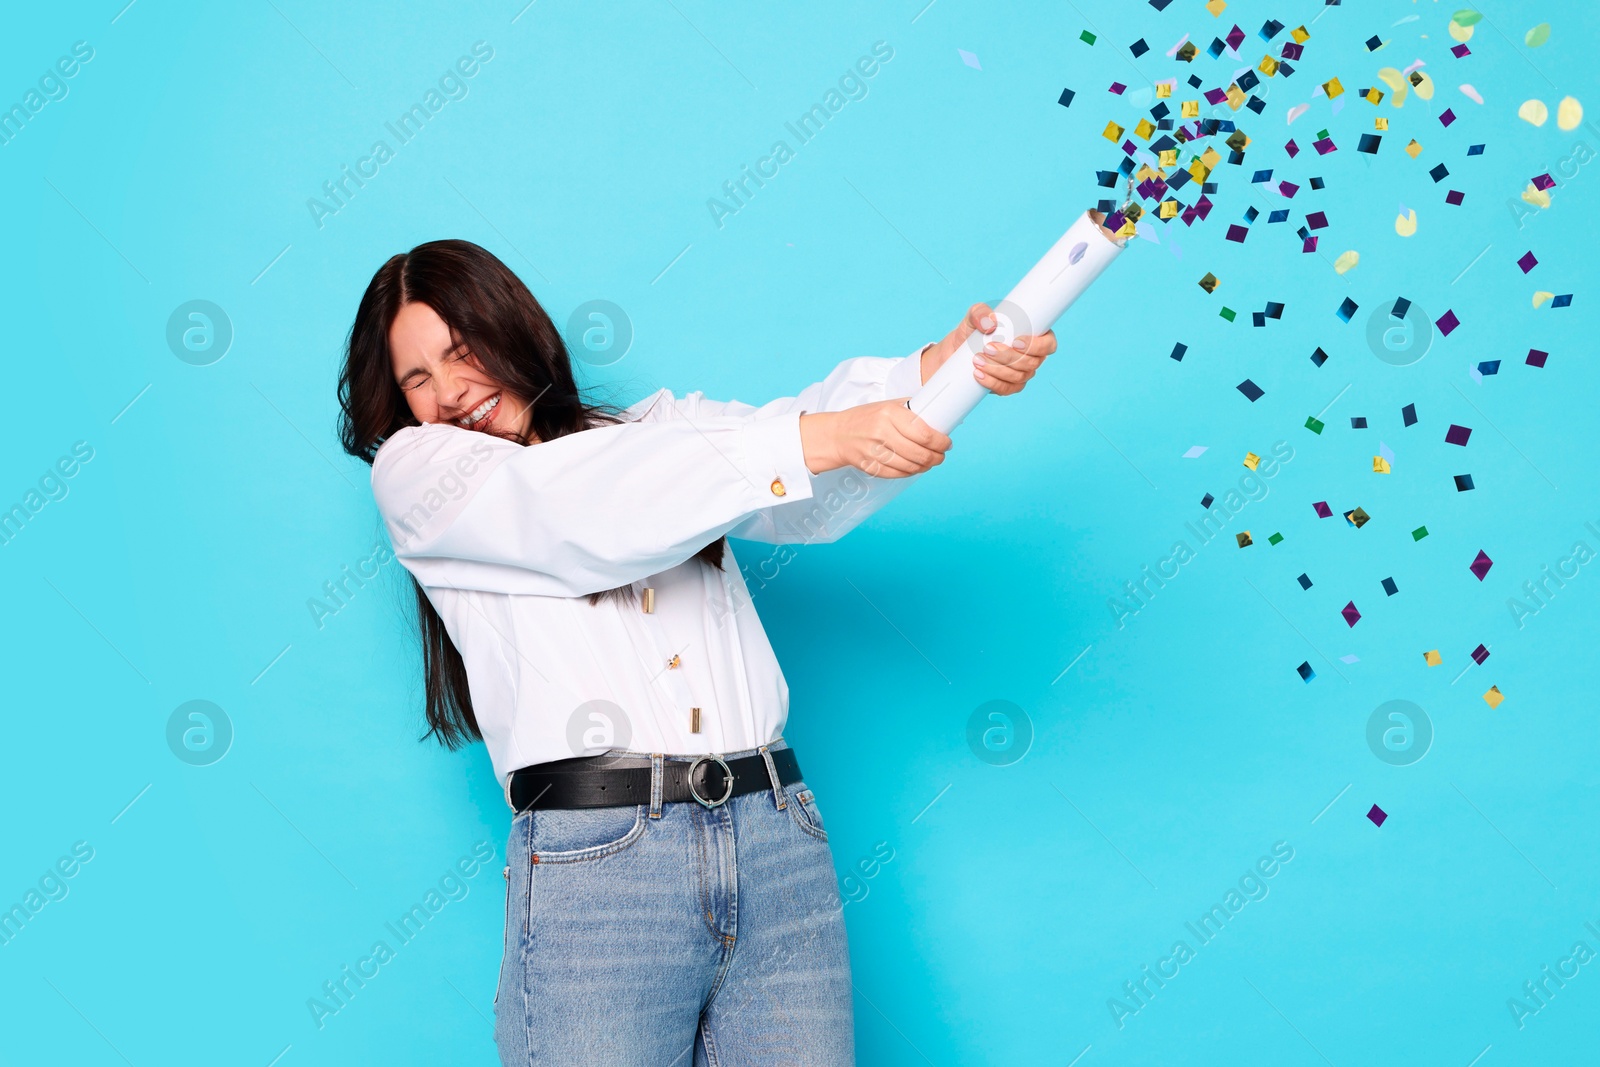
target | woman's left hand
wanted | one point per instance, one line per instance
(1002, 369)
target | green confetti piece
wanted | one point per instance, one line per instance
(1228, 313)
(1466, 17)
(1322, 135)
(1275, 538)
(1314, 424)
(1538, 35)
(1419, 533)
(1086, 37)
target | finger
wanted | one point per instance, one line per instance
(895, 462)
(917, 441)
(1006, 356)
(886, 461)
(1000, 387)
(921, 458)
(1042, 345)
(980, 316)
(989, 373)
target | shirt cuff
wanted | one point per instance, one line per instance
(775, 462)
(905, 377)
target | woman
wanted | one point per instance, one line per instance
(671, 896)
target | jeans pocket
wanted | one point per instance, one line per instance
(575, 835)
(803, 805)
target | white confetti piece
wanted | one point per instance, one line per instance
(1196, 451)
(1298, 110)
(1472, 94)
(969, 59)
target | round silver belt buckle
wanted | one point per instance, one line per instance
(728, 778)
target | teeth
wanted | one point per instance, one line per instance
(480, 411)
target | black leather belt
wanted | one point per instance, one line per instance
(607, 782)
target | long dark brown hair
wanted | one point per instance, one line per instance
(493, 314)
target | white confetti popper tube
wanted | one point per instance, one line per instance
(1031, 308)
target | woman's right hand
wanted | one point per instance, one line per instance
(884, 439)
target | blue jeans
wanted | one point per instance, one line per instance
(687, 937)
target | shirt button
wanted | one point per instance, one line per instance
(777, 487)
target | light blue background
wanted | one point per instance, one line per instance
(1175, 751)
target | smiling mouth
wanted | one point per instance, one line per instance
(480, 415)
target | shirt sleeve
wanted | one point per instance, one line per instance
(578, 514)
(840, 499)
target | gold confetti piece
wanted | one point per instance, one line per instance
(1539, 198)
(1433, 659)
(1163, 90)
(1472, 94)
(1494, 697)
(1244, 539)
(1168, 209)
(1538, 35)
(1347, 261)
(1380, 123)
(1422, 84)
(1406, 225)
(1398, 86)
(1251, 460)
(1373, 97)
(1300, 34)
(1459, 33)
(1113, 132)
(1332, 87)
(1144, 129)
(1541, 298)
(1569, 113)
(1380, 465)
(1533, 111)
(1169, 158)
(1210, 282)
(1414, 149)
(1189, 109)
(1236, 97)
(1216, 7)
(1269, 66)
(1210, 157)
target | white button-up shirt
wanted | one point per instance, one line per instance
(508, 540)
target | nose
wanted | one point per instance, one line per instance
(450, 389)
